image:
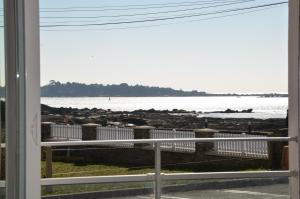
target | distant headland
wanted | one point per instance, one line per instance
(75, 89)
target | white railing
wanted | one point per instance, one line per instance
(113, 133)
(187, 147)
(158, 177)
(251, 149)
(71, 132)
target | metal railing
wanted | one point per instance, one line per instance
(251, 149)
(188, 147)
(158, 177)
(73, 132)
(113, 133)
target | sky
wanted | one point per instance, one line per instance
(245, 53)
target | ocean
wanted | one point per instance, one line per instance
(263, 108)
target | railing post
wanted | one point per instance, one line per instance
(48, 151)
(173, 136)
(243, 147)
(142, 132)
(157, 188)
(89, 131)
(49, 169)
(46, 130)
(201, 147)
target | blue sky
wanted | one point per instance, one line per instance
(244, 53)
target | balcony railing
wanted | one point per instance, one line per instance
(157, 177)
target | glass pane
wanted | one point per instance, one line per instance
(258, 188)
(105, 190)
(117, 66)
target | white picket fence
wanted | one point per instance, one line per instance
(113, 133)
(250, 149)
(71, 132)
(186, 147)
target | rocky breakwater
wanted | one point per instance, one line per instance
(174, 119)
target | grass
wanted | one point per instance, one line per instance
(66, 169)
(79, 169)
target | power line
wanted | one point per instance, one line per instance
(134, 7)
(160, 12)
(164, 18)
(199, 4)
(158, 25)
(128, 7)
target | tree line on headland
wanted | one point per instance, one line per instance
(74, 89)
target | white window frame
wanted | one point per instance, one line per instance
(22, 51)
(23, 98)
(294, 91)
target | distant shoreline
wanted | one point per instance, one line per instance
(75, 89)
(250, 95)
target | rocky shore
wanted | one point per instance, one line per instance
(175, 119)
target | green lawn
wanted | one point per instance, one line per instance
(79, 169)
(65, 169)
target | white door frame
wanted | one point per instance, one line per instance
(23, 98)
(22, 51)
(294, 91)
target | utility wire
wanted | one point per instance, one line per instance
(160, 12)
(158, 25)
(134, 5)
(165, 24)
(137, 8)
(126, 8)
(163, 18)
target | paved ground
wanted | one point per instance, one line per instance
(279, 191)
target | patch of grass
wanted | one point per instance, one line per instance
(79, 169)
(65, 169)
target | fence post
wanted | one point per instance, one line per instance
(89, 131)
(48, 151)
(202, 147)
(142, 132)
(285, 158)
(157, 170)
(46, 130)
(49, 169)
(275, 149)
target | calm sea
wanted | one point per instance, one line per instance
(262, 107)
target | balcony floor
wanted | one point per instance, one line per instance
(257, 192)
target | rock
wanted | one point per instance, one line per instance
(130, 125)
(135, 121)
(247, 111)
(118, 124)
(230, 111)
